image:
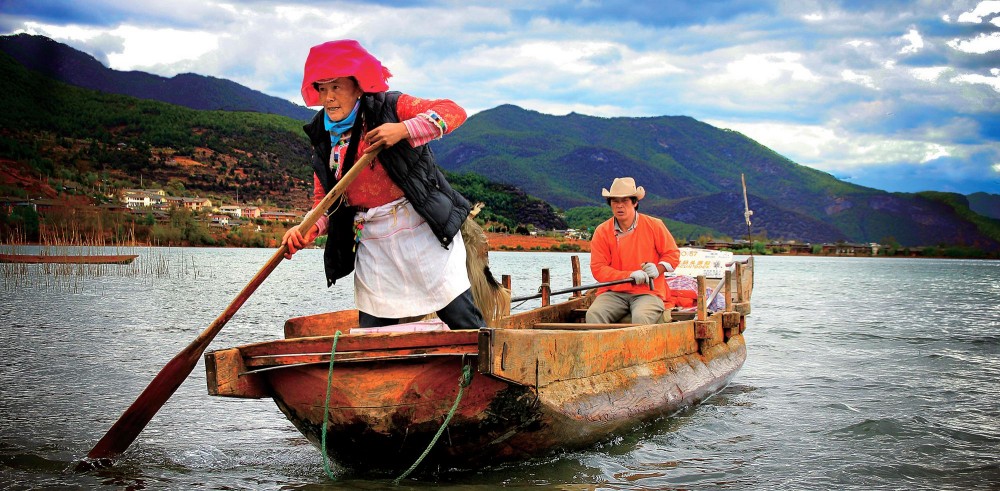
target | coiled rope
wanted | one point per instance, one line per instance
(326, 408)
(463, 382)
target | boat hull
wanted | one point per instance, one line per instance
(541, 381)
(532, 391)
(67, 259)
(496, 420)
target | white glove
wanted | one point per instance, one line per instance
(639, 277)
(651, 270)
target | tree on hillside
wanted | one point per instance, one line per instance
(20, 225)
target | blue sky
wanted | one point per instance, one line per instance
(895, 95)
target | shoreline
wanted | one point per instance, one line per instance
(516, 243)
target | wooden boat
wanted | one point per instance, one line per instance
(68, 259)
(541, 380)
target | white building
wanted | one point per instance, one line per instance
(232, 210)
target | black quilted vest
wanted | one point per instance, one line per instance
(412, 169)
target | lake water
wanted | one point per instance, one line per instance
(861, 374)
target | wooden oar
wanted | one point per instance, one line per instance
(573, 289)
(138, 415)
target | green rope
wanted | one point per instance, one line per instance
(463, 382)
(326, 408)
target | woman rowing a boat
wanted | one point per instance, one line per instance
(399, 229)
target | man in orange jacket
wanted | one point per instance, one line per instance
(636, 246)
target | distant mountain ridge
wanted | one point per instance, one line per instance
(74, 67)
(987, 205)
(692, 173)
(53, 134)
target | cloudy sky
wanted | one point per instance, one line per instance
(895, 95)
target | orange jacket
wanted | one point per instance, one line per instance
(615, 258)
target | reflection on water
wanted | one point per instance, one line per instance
(861, 374)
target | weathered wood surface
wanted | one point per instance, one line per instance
(542, 381)
(68, 259)
(321, 324)
(536, 358)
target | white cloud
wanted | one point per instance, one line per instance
(762, 69)
(981, 44)
(974, 78)
(914, 42)
(837, 151)
(983, 9)
(935, 151)
(144, 47)
(857, 78)
(929, 74)
(139, 48)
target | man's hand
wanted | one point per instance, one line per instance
(639, 276)
(651, 270)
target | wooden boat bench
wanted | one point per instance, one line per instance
(580, 315)
(579, 325)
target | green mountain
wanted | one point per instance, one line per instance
(88, 138)
(692, 173)
(985, 204)
(63, 63)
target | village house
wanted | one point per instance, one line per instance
(7, 203)
(279, 216)
(43, 206)
(142, 198)
(845, 249)
(251, 212)
(234, 211)
(718, 245)
(193, 204)
(158, 192)
(791, 247)
(219, 220)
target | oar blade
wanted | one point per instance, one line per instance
(153, 397)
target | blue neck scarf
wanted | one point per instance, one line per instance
(337, 128)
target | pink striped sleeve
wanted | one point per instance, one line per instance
(423, 129)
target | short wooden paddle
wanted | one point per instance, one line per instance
(138, 415)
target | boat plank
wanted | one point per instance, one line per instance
(579, 325)
(272, 360)
(363, 342)
(539, 357)
(226, 376)
(325, 324)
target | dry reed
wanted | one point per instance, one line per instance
(68, 240)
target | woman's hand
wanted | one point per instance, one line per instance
(386, 135)
(294, 240)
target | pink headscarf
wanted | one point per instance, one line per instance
(344, 58)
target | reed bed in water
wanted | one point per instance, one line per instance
(153, 262)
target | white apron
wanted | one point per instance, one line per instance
(401, 269)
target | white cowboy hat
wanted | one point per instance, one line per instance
(624, 187)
